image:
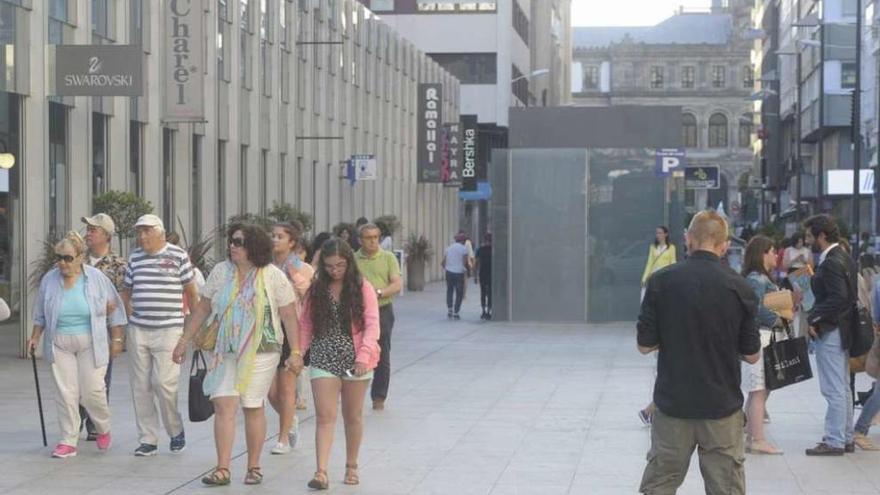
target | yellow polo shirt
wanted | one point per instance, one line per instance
(378, 270)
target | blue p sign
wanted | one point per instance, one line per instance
(668, 159)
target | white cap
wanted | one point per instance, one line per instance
(103, 221)
(150, 221)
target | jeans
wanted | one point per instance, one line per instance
(382, 375)
(486, 293)
(832, 362)
(869, 410)
(454, 286)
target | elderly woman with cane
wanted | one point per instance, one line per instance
(71, 311)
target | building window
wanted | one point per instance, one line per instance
(265, 47)
(242, 180)
(745, 131)
(58, 168)
(591, 77)
(244, 38)
(168, 176)
(520, 22)
(687, 77)
(719, 79)
(196, 229)
(446, 7)
(224, 35)
(264, 179)
(848, 75)
(221, 182)
(748, 77)
(136, 22)
(282, 177)
(470, 68)
(59, 22)
(99, 153)
(717, 131)
(689, 131)
(102, 18)
(135, 155)
(656, 77)
(382, 5)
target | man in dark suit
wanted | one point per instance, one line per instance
(830, 321)
(700, 316)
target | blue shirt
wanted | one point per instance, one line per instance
(99, 292)
(74, 317)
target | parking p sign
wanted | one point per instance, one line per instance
(668, 159)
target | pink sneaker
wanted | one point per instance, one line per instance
(103, 441)
(64, 451)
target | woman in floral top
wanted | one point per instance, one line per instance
(339, 325)
(250, 298)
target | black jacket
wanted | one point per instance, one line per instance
(834, 300)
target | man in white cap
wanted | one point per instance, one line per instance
(158, 275)
(100, 229)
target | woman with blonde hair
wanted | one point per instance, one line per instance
(72, 310)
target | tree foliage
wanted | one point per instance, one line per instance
(124, 208)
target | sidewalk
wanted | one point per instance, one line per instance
(475, 408)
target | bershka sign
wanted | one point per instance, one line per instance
(469, 152)
(183, 61)
(430, 116)
(450, 172)
(99, 70)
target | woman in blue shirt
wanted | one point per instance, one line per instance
(75, 305)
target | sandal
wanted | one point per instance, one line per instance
(762, 447)
(254, 476)
(319, 481)
(351, 475)
(216, 478)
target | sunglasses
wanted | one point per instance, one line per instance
(65, 258)
(237, 241)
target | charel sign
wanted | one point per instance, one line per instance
(430, 116)
(469, 153)
(183, 60)
(99, 70)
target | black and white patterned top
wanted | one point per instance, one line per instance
(333, 349)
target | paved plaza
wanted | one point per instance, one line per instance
(475, 408)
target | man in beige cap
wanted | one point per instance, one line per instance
(158, 275)
(100, 229)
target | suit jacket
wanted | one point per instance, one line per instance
(834, 300)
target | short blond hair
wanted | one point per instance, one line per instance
(707, 227)
(74, 240)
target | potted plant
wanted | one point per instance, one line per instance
(418, 253)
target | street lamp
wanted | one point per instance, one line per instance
(7, 159)
(539, 72)
(797, 150)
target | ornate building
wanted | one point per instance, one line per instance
(697, 60)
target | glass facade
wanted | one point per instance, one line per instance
(58, 168)
(168, 178)
(11, 214)
(99, 153)
(196, 188)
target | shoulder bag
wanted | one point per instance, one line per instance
(861, 325)
(200, 406)
(786, 362)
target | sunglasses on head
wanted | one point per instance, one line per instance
(65, 258)
(237, 242)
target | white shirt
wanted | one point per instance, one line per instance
(825, 253)
(456, 254)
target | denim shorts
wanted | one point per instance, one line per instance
(319, 373)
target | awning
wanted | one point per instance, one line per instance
(483, 192)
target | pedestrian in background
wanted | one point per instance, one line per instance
(339, 327)
(75, 305)
(797, 255)
(100, 230)
(455, 262)
(157, 277)
(700, 316)
(254, 306)
(315, 248)
(831, 333)
(483, 269)
(380, 268)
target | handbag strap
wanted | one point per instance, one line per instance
(198, 356)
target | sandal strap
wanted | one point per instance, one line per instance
(351, 466)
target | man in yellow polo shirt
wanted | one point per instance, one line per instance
(381, 269)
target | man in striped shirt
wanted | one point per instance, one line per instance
(157, 276)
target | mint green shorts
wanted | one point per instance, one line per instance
(319, 373)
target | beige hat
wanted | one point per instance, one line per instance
(103, 221)
(150, 221)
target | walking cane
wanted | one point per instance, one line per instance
(39, 399)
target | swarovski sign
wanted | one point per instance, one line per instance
(99, 70)
(184, 61)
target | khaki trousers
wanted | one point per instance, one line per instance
(154, 376)
(78, 381)
(719, 443)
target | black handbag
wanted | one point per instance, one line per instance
(861, 324)
(786, 362)
(200, 406)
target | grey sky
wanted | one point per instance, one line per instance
(627, 12)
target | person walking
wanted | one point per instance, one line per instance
(797, 255)
(283, 392)
(254, 307)
(660, 255)
(100, 230)
(156, 278)
(483, 270)
(73, 309)
(700, 317)
(315, 248)
(455, 262)
(831, 333)
(380, 268)
(759, 263)
(339, 326)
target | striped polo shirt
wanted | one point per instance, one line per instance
(156, 283)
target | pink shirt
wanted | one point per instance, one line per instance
(366, 338)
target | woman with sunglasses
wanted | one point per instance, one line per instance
(72, 310)
(339, 324)
(254, 306)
